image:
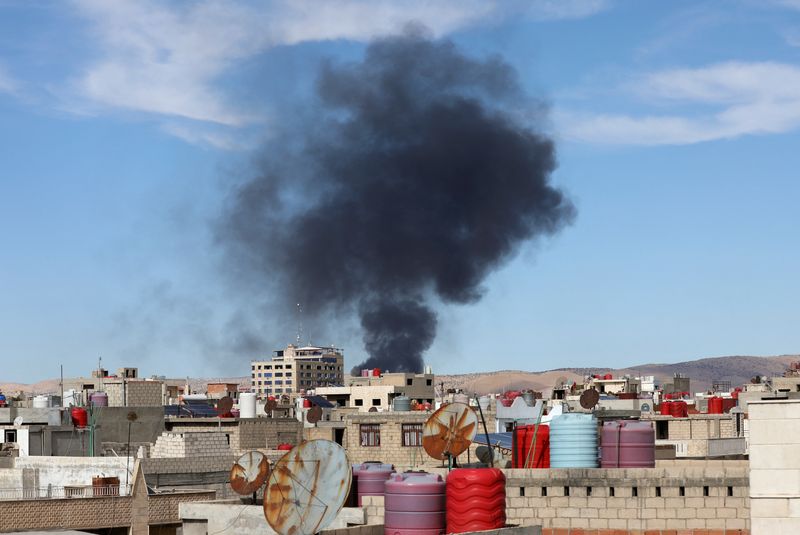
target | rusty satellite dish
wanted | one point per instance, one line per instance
(224, 405)
(589, 398)
(307, 488)
(249, 473)
(449, 431)
(314, 414)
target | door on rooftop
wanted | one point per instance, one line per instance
(338, 436)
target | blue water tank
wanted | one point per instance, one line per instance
(573, 441)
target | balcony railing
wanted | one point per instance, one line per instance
(66, 492)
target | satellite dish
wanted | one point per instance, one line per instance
(307, 488)
(314, 414)
(224, 405)
(449, 431)
(18, 422)
(249, 473)
(132, 417)
(589, 398)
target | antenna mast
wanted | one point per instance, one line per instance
(299, 323)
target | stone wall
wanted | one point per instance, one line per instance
(702, 497)
(246, 434)
(188, 444)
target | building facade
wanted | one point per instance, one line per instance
(296, 369)
(377, 392)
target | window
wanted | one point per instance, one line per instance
(359, 403)
(376, 402)
(370, 435)
(429, 382)
(11, 435)
(409, 382)
(412, 434)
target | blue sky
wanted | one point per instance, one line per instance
(122, 124)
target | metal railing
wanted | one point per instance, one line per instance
(66, 492)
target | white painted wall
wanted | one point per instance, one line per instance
(774, 430)
(23, 439)
(75, 471)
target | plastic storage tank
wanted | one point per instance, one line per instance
(80, 418)
(573, 441)
(41, 402)
(99, 399)
(627, 445)
(414, 504)
(666, 408)
(679, 409)
(523, 455)
(715, 405)
(247, 405)
(401, 403)
(371, 479)
(476, 500)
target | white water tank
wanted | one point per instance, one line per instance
(41, 402)
(247, 405)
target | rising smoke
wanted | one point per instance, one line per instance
(412, 180)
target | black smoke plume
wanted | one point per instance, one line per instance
(411, 178)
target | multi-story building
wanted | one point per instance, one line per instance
(297, 368)
(379, 391)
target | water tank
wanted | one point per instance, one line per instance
(247, 405)
(41, 402)
(414, 504)
(628, 445)
(608, 377)
(573, 441)
(679, 409)
(307, 403)
(529, 398)
(523, 454)
(376, 372)
(484, 402)
(80, 418)
(99, 399)
(401, 403)
(715, 405)
(666, 409)
(284, 447)
(476, 500)
(366, 373)
(461, 398)
(371, 479)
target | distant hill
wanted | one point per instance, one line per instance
(703, 372)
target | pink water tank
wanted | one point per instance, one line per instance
(415, 504)
(371, 478)
(627, 444)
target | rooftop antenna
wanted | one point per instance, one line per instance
(449, 431)
(299, 323)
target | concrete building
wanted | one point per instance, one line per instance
(379, 391)
(700, 435)
(296, 369)
(775, 467)
(220, 390)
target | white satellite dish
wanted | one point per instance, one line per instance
(17, 422)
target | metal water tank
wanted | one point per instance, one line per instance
(99, 399)
(401, 403)
(573, 441)
(523, 454)
(414, 504)
(371, 479)
(247, 405)
(41, 402)
(628, 444)
(476, 500)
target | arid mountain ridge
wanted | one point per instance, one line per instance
(703, 372)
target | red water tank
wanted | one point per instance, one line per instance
(665, 408)
(715, 405)
(376, 372)
(306, 403)
(476, 500)
(608, 377)
(284, 447)
(80, 418)
(523, 454)
(679, 409)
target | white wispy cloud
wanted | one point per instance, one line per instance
(726, 100)
(7, 83)
(168, 58)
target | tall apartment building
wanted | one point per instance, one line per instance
(297, 368)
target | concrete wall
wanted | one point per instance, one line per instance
(215, 444)
(245, 434)
(775, 467)
(74, 471)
